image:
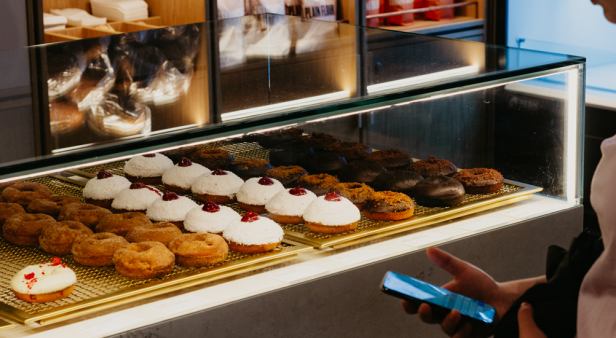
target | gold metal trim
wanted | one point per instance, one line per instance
(6, 325)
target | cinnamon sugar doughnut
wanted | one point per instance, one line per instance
(88, 214)
(357, 193)
(163, 233)
(8, 184)
(9, 209)
(58, 238)
(212, 158)
(388, 206)
(25, 229)
(480, 180)
(97, 249)
(24, 193)
(121, 224)
(320, 184)
(51, 205)
(199, 250)
(144, 260)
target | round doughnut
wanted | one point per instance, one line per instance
(97, 249)
(433, 166)
(480, 180)
(176, 154)
(88, 214)
(273, 138)
(316, 141)
(121, 224)
(354, 192)
(25, 229)
(51, 205)
(362, 172)
(9, 209)
(391, 159)
(144, 260)
(403, 181)
(24, 193)
(439, 191)
(58, 238)
(45, 282)
(247, 168)
(212, 158)
(163, 232)
(351, 151)
(323, 163)
(8, 184)
(199, 249)
(320, 184)
(388, 206)
(287, 175)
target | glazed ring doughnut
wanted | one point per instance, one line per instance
(25, 229)
(58, 238)
(24, 193)
(51, 205)
(158, 232)
(121, 224)
(97, 249)
(144, 260)
(88, 214)
(199, 250)
(480, 180)
(9, 209)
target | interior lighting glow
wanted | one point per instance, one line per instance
(422, 79)
(572, 135)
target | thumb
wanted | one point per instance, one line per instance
(528, 328)
(446, 261)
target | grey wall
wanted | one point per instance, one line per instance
(13, 28)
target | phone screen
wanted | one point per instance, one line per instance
(429, 293)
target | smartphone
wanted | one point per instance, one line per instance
(440, 300)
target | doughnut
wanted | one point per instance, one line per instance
(316, 141)
(155, 232)
(219, 187)
(121, 224)
(45, 282)
(247, 168)
(331, 214)
(439, 191)
(58, 238)
(362, 172)
(8, 184)
(253, 234)
(433, 166)
(102, 189)
(403, 181)
(181, 176)
(287, 175)
(64, 117)
(51, 205)
(176, 154)
(388, 206)
(97, 249)
(253, 195)
(289, 205)
(288, 154)
(25, 229)
(273, 138)
(170, 208)
(211, 218)
(391, 159)
(351, 151)
(320, 184)
(24, 193)
(147, 169)
(9, 209)
(357, 193)
(323, 163)
(144, 260)
(480, 180)
(199, 250)
(136, 198)
(212, 158)
(88, 214)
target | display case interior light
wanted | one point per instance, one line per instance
(277, 107)
(422, 79)
(572, 136)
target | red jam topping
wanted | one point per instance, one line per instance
(333, 197)
(103, 174)
(266, 181)
(184, 162)
(250, 217)
(170, 196)
(29, 276)
(31, 282)
(56, 261)
(219, 172)
(140, 185)
(210, 207)
(297, 191)
(149, 155)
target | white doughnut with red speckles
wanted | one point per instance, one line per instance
(47, 278)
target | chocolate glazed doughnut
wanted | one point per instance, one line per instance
(439, 191)
(362, 171)
(403, 181)
(480, 180)
(323, 163)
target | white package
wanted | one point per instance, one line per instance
(121, 10)
(79, 17)
(230, 9)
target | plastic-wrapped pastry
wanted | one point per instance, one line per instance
(64, 117)
(65, 68)
(120, 116)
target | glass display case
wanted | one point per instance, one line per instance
(251, 85)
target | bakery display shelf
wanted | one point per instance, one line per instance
(110, 28)
(6, 325)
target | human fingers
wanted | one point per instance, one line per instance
(528, 328)
(409, 308)
(425, 314)
(465, 331)
(446, 261)
(450, 323)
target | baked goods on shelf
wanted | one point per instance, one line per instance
(288, 205)
(439, 191)
(362, 172)
(87, 214)
(211, 218)
(212, 158)
(102, 189)
(351, 151)
(323, 163)
(148, 168)
(199, 250)
(403, 181)
(253, 234)
(288, 154)
(9, 209)
(433, 166)
(121, 224)
(170, 208)
(51, 205)
(250, 167)
(8, 184)
(176, 154)
(24, 193)
(273, 138)
(287, 175)
(253, 195)
(65, 117)
(331, 214)
(144, 260)
(219, 187)
(316, 141)
(45, 282)
(391, 159)
(388, 206)
(157, 232)
(320, 184)
(25, 229)
(357, 193)
(58, 238)
(136, 198)
(181, 176)
(97, 249)
(480, 180)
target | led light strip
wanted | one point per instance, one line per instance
(422, 79)
(572, 137)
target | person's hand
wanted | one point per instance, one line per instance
(526, 323)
